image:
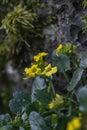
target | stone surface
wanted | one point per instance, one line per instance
(67, 27)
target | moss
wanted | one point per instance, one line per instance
(23, 24)
(84, 3)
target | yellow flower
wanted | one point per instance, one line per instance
(70, 51)
(26, 70)
(59, 49)
(17, 118)
(48, 67)
(40, 103)
(39, 56)
(52, 105)
(54, 70)
(43, 54)
(32, 71)
(57, 95)
(57, 102)
(49, 70)
(74, 124)
(69, 126)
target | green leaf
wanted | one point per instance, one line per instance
(24, 116)
(82, 99)
(39, 84)
(37, 122)
(52, 121)
(75, 79)
(19, 103)
(21, 128)
(5, 119)
(83, 62)
(63, 120)
(43, 96)
(9, 127)
(62, 61)
(84, 3)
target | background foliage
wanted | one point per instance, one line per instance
(21, 25)
(21, 36)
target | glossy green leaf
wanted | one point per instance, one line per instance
(39, 84)
(24, 116)
(75, 79)
(21, 128)
(52, 121)
(37, 122)
(5, 119)
(62, 122)
(83, 62)
(61, 61)
(82, 99)
(43, 96)
(9, 127)
(19, 103)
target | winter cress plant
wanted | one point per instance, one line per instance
(46, 109)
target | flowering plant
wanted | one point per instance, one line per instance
(46, 109)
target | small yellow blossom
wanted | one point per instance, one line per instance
(59, 49)
(17, 118)
(52, 105)
(40, 103)
(69, 126)
(44, 54)
(26, 70)
(57, 102)
(39, 56)
(74, 124)
(49, 70)
(48, 67)
(57, 95)
(54, 70)
(32, 71)
(70, 51)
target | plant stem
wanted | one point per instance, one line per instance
(66, 76)
(51, 86)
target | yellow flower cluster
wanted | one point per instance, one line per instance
(59, 49)
(52, 105)
(39, 68)
(65, 49)
(74, 124)
(39, 103)
(49, 70)
(32, 71)
(39, 56)
(57, 102)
